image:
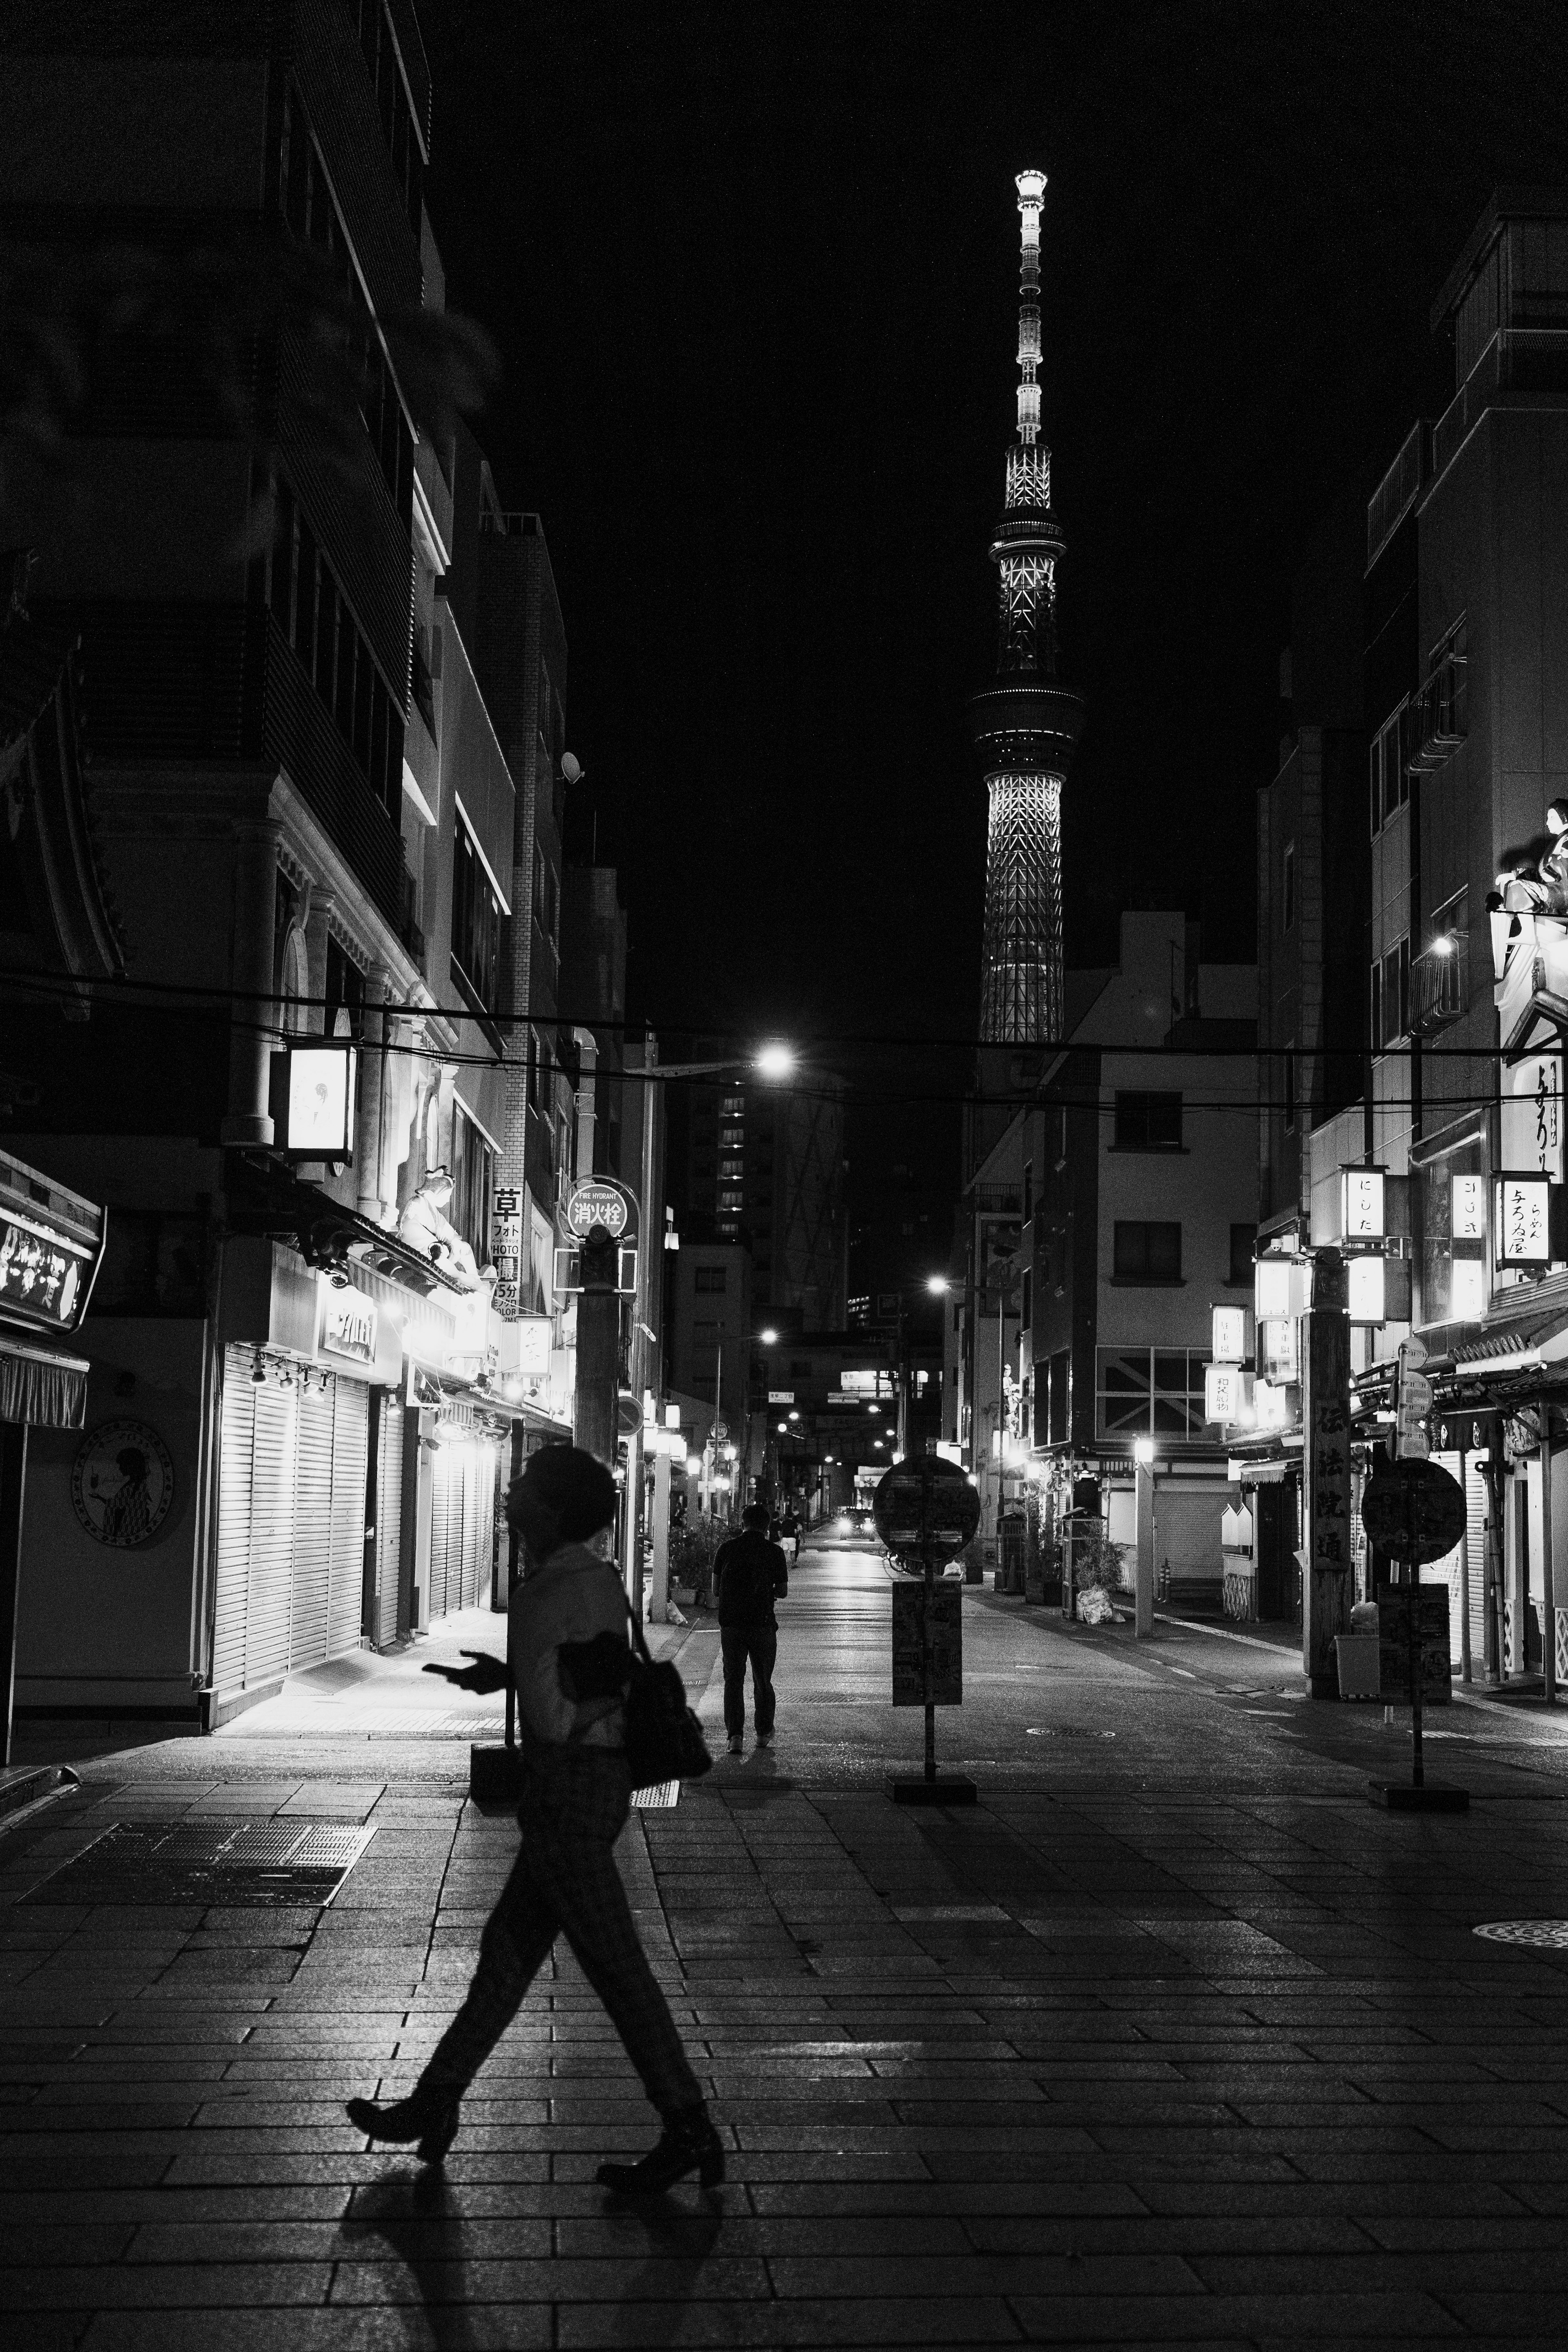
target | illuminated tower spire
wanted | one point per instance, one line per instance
(1025, 726)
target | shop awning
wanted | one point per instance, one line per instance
(438, 1387)
(41, 1386)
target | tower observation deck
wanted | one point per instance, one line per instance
(1025, 726)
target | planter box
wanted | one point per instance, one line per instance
(1357, 1657)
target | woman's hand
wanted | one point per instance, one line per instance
(486, 1674)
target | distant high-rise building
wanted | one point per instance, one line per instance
(767, 1166)
(1025, 725)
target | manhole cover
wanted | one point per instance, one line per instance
(1542, 1935)
(1065, 1731)
(243, 1866)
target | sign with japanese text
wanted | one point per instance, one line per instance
(1368, 1289)
(928, 1645)
(1229, 1335)
(1467, 1208)
(600, 1201)
(1226, 1388)
(533, 1338)
(781, 1396)
(1275, 1292)
(1531, 1135)
(506, 1251)
(1278, 1355)
(348, 1324)
(868, 1383)
(1362, 1203)
(1523, 1221)
(1413, 1403)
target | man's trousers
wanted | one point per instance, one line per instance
(759, 1645)
(564, 1881)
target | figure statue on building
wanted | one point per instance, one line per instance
(425, 1225)
(1540, 887)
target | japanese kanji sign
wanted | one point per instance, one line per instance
(1532, 1134)
(1523, 1221)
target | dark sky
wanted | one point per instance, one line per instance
(752, 273)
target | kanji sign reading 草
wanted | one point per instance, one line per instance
(506, 1251)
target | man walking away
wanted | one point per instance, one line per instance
(750, 1574)
(570, 1663)
(789, 1533)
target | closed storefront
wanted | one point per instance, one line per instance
(462, 1523)
(291, 1520)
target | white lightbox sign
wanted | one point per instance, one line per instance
(1531, 1135)
(321, 1101)
(1229, 1343)
(1272, 1288)
(1224, 1393)
(1467, 1205)
(1368, 1289)
(1361, 1204)
(1523, 1236)
(1468, 1290)
(1277, 1351)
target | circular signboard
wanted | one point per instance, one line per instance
(925, 1505)
(122, 1483)
(1413, 1510)
(599, 1201)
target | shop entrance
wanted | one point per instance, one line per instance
(1274, 1549)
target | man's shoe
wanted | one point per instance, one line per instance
(429, 2115)
(687, 2143)
(765, 1739)
(737, 1745)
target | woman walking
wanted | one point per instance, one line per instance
(570, 1662)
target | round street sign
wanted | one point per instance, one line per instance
(599, 1201)
(1413, 1510)
(925, 1504)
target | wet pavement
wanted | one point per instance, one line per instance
(1175, 2038)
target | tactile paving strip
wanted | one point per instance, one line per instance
(231, 1865)
(663, 1792)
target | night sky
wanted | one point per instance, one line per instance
(753, 274)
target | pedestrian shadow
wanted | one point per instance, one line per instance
(420, 2217)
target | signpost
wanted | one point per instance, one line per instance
(1415, 1511)
(925, 1511)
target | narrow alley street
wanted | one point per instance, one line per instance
(1173, 2039)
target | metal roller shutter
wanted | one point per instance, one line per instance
(345, 1608)
(271, 1568)
(388, 1519)
(443, 1504)
(233, 1522)
(312, 1527)
(471, 1463)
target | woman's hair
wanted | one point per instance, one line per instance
(574, 1486)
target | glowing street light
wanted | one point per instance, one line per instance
(936, 1283)
(774, 1061)
(768, 1338)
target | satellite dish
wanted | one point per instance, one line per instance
(571, 768)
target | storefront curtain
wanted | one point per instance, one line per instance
(48, 1391)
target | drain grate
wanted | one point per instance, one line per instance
(1542, 1935)
(231, 1865)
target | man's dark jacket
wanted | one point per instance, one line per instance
(750, 1574)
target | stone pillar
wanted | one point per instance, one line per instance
(317, 930)
(1325, 1471)
(370, 1125)
(253, 1034)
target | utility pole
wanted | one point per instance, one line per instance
(598, 1349)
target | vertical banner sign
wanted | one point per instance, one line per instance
(933, 1615)
(506, 1251)
(1533, 1115)
(1326, 1470)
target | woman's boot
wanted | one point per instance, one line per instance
(429, 2115)
(687, 2143)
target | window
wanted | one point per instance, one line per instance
(473, 1176)
(1452, 921)
(1146, 1252)
(345, 993)
(712, 1279)
(1388, 771)
(311, 612)
(476, 924)
(1243, 1251)
(1150, 1392)
(1147, 1122)
(734, 1168)
(392, 103)
(1287, 887)
(732, 1137)
(1396, 993)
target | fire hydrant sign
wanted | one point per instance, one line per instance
(928, 1618)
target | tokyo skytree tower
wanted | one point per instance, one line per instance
(1025, 726)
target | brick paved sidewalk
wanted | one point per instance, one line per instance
(1108, 2066)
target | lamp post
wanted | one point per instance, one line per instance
(1143, 1485)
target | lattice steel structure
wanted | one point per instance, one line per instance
(1025, 726)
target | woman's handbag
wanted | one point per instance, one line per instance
(664, 1738)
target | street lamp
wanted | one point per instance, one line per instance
(774, 1061)
(937, 1284)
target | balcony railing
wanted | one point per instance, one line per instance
(1396, 493)
(1518, 358)
(1440, 983)
(1440, 715)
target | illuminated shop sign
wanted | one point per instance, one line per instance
(1362, 1210)
(1227, 1392)
(865, 1383)
(1523, 1221)
(348, 1324)
(45, 1275)
(314, 1100)
(1229, 1339)
(1368, 1298)
(1467, 1204)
